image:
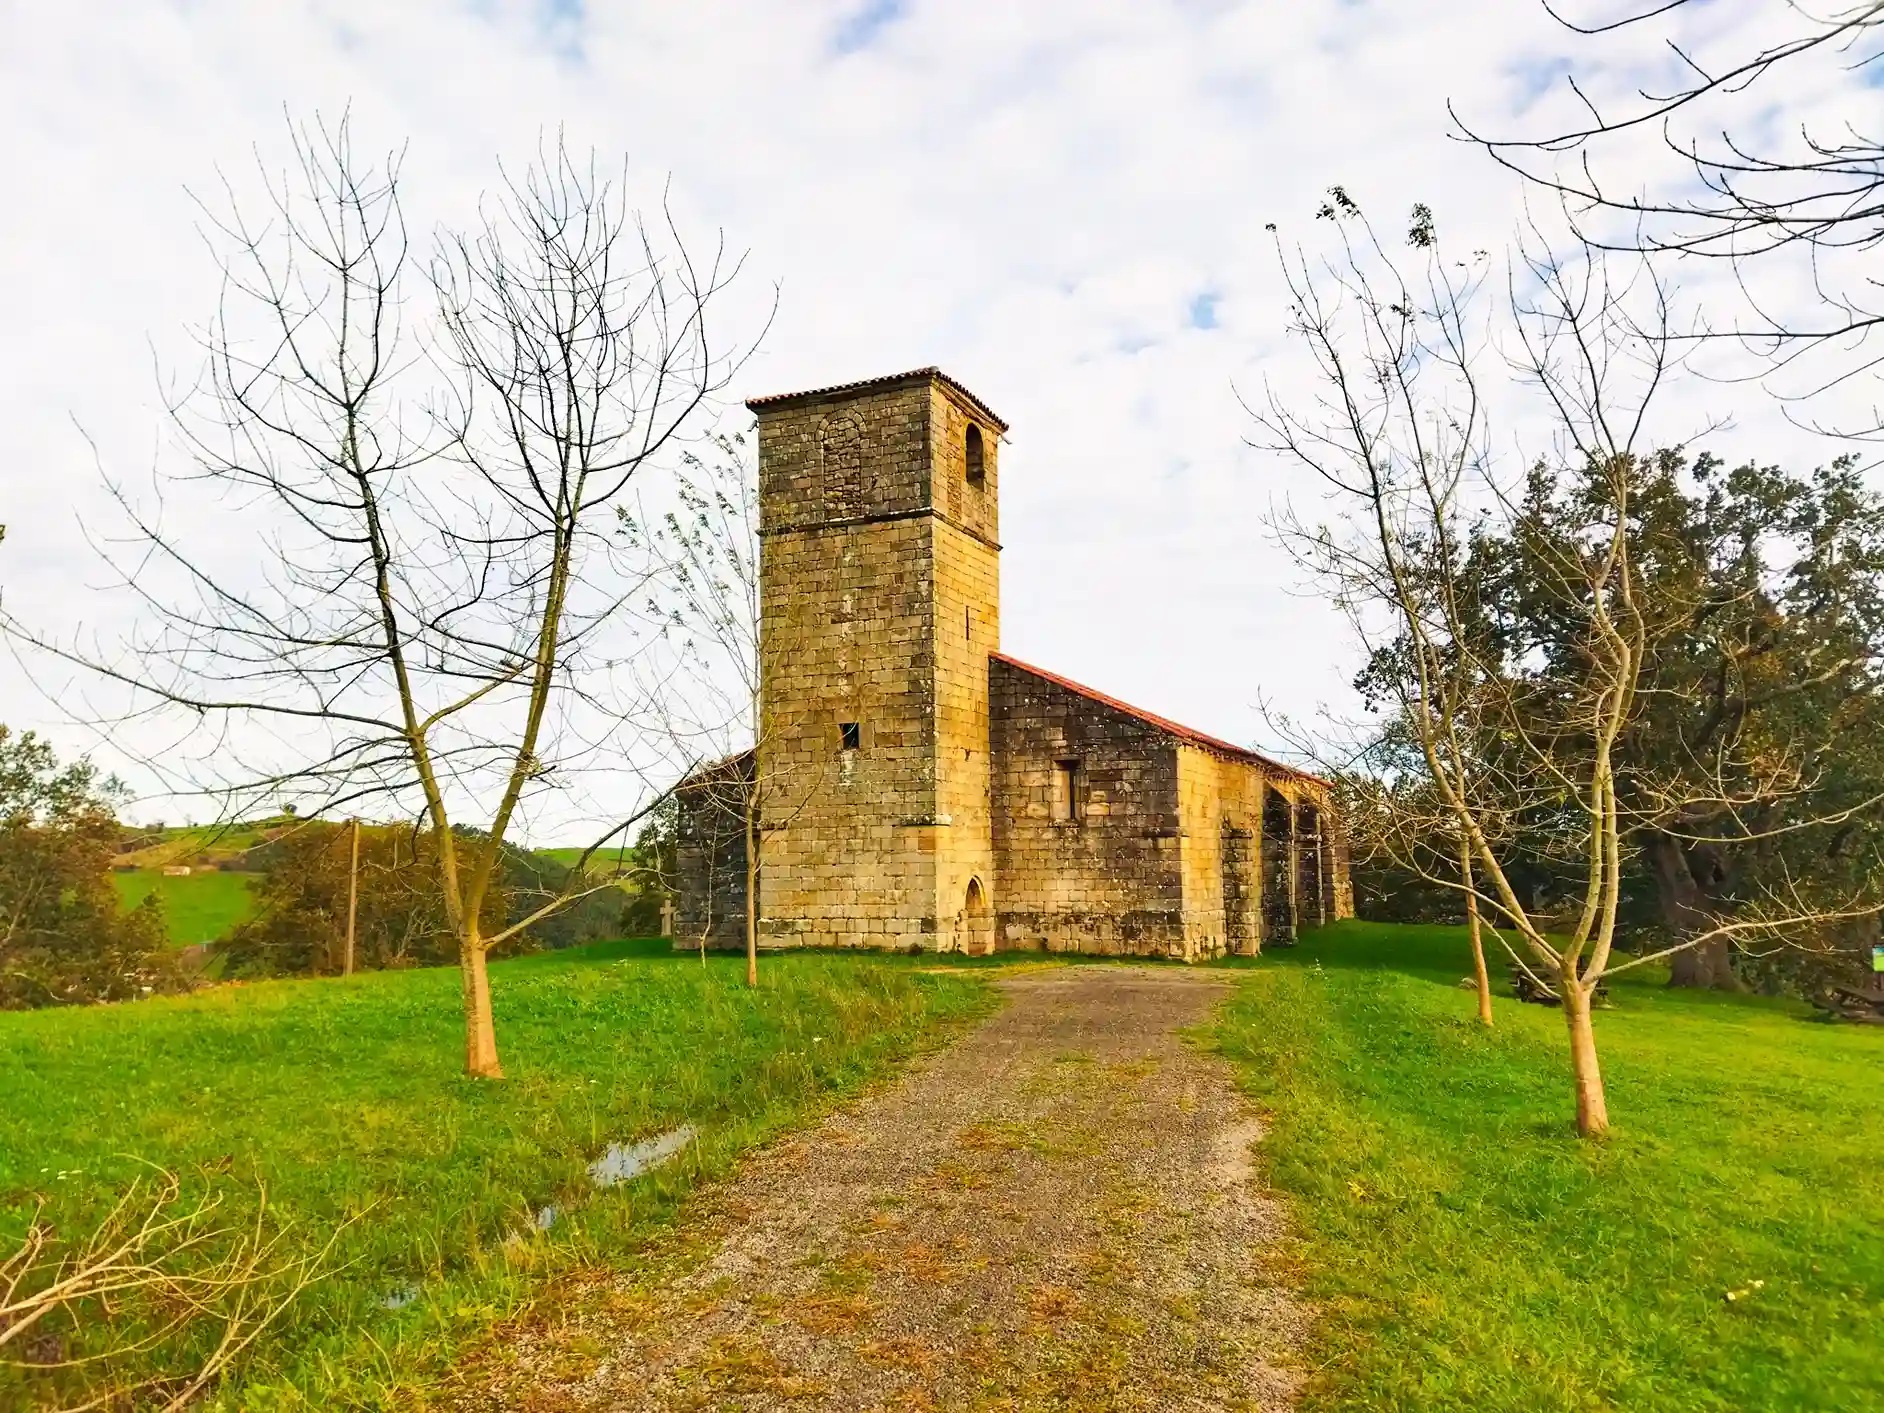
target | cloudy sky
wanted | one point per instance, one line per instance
(1061, 202)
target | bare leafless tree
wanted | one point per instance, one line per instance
(389, 573)
(174, 1276)
(706, 552)
(1744, 190)
(1483, 732)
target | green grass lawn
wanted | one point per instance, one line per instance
(1465, 1251)
(198, 907)
(345, 1098)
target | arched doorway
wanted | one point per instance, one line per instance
(1278, 867)
(977, 929)
(1309, 908)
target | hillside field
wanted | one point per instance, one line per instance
(601, 861)
(198, 907)
(345, 1098)
(1464, 1251)
(224, 843)
(205, 906)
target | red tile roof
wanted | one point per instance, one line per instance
(889, 380)
(1169, 727)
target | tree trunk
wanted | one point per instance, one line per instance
(353, 899)
(480, 1032)
(1479, 973)
(1592, 1109)
(752, 891)
(1685, 912)
(1707, 966)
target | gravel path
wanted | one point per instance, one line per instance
(1054, 1213)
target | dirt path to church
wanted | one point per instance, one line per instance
(1054, 1213)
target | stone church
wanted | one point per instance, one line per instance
(915, 787)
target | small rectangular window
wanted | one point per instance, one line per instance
(1065, 791)
(852, 734)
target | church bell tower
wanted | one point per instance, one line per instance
(879, 606)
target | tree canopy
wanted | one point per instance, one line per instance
(1753, 766)
(63, 936)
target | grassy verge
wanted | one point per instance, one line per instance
(1465, 1251)
(344, 1098)
(198, 907)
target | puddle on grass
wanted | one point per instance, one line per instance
(622, 1161)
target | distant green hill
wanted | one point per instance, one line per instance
(178, 844)
(601, 861)
(204, 906)
(198, 907)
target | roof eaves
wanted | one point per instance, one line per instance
(1176, 729)
(888, 380)
(706, 768)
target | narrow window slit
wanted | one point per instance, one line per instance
(1066, 788)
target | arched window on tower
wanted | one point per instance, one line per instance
(977, 464)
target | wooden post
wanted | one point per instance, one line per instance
(353, 899)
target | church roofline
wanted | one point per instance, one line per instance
(891, 380)
(1165, 724)
(703, 769)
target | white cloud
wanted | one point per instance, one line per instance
(1035, 196)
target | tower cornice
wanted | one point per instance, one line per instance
(780, 401)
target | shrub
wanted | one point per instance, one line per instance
(63, 937)
(300, 926)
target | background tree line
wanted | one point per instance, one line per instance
(312, 881)
(66, 938)
(1764, 681)
(1611, 696)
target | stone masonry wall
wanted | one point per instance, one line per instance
(710, 855)
(1108, 880)
(1334, 895)
(967, 567)
(874, 611)
(1342, 899)
(976, 509)
(1220, 815)
(849, 847)
(1305, 880)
